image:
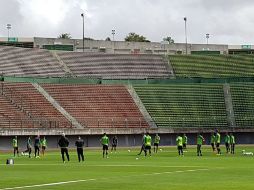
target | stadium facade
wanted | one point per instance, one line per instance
(123, 88)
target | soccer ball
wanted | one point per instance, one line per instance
(129, 150)
(136, 158)
(160, 149)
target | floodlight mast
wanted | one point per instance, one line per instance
(186, 40)
(83, 18)
(8, 26)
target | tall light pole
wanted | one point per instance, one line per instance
(207, 38)
(83, 17)
(186, 40)
(113, 34)
(8, 26)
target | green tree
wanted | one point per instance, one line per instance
(169, 40)
(133, 37)
(64, 36)
(108, 39)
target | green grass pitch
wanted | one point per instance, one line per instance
(164, 170)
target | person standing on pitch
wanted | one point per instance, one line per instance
(80, 144)
(217, 141)
(227, 142)
(200, 140)
(43, 145)
(232, 143)
(114, 143)
(29, 146)
(143, 145)
(63, 144)
(185, 141)
(148, 143)
(156, 143)
(15, 146)
(105, 143)
(179, 142)
(37, 144)
(213, 138)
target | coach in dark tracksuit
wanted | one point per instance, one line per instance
(80, 144)
(64, 143)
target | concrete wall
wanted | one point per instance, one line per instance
(129, 47)
(124, 140)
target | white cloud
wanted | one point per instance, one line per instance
(228, 21)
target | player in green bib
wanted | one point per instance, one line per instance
(43, 145)
(15, 146)
(179, 143)
(213, 138)
(227, 142)
(200, 140)
(232, 143)
(148, 144)
(105, 143)
(217, 141)
(185, 141)
(156, 143)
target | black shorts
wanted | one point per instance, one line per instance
(212, 144)
(105, 147)
(43, 147)
(114, 145)
(155, 144)
(148, 147)
(179, 147)
(217, 145)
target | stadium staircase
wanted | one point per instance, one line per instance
(98, 106)
(57, 106)
(67, 71)
(229, 105)
(24, 62)
(141, 106)
(34, 106)
(115, 66)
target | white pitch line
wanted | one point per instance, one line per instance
(48, 184)
(105, 165)
(86, 180)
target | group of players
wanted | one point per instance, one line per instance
(181, 142)
(215, 142)
(39, 144)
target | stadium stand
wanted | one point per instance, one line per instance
(98, 105)
(28, 63)
(243, 103)
(11, 116)
(34, 105)
(184, 105)
(212, 66)
(116, 66)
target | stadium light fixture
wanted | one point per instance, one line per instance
(8, 26)
(186, 40)
(83, 18)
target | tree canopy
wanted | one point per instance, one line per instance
(169, 40)
(64, 36)
(133, 37)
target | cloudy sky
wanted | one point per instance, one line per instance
(227, 21)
